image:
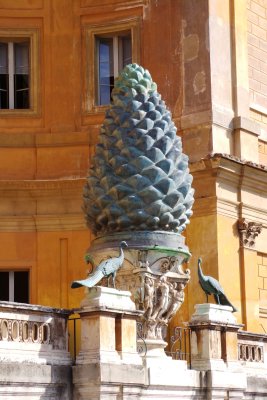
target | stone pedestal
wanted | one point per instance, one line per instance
(108, 327)
(152, 271)
(108, 353)
(214, 337)
(108, 367)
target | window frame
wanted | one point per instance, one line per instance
(92, 33)
(11, 282)
(33, 36)
(117, 57)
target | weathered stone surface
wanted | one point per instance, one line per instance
(214, 338)
(103, 297)
(212, 313)
(108, 327)
(35, 382)
(35, 334)
(34, 357)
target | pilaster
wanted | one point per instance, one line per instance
(229, 191)
(248, 232)
(215, 115)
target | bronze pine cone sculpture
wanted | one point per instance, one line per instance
(139, 179)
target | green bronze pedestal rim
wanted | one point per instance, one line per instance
(168, 243)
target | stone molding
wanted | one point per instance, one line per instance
(43, 223)
(236, 159)
(121, 4)
(256, 214)
(224, 119)
(213, 116)
(215, 205)
(42, 185)
(40, 138)
(263, 312)
(247, 125)
(248, 232)
(40, 205)
(220, 160)
(246, 180)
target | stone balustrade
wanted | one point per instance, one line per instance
(25, 331)
(34, 357)
(33, 333)
(252, 348)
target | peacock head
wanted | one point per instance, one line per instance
(123, 244)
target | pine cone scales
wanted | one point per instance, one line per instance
(139, 179)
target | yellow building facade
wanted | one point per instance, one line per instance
(58, 60)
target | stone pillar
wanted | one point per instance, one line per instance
(108, 326)
(245, 131)
(214, 337)
(108, 356)
(216, 94)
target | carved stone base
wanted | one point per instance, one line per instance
(152, 271)
(155, 348)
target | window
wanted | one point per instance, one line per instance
(14, 75)
(113, 54)
(14, 286)
(19, 71)
(108, 49)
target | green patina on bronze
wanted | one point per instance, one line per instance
(139, 179)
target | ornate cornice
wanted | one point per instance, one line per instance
(237, 159)
(228, 186)
(248, 232)
(215, 160)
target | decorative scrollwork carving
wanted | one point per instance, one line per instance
(142, 259)
(248, 232)
(141, 343)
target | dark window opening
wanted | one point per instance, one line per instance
(14, 75)
(14, 286)
(4, 286)
(114, 53)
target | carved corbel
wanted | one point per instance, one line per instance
(248, 232)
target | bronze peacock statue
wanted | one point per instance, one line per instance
(107, 268)
(211, 286)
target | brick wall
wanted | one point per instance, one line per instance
(257, 51)
(257, 63)
(262, 279)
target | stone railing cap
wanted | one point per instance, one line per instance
(32, 308)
